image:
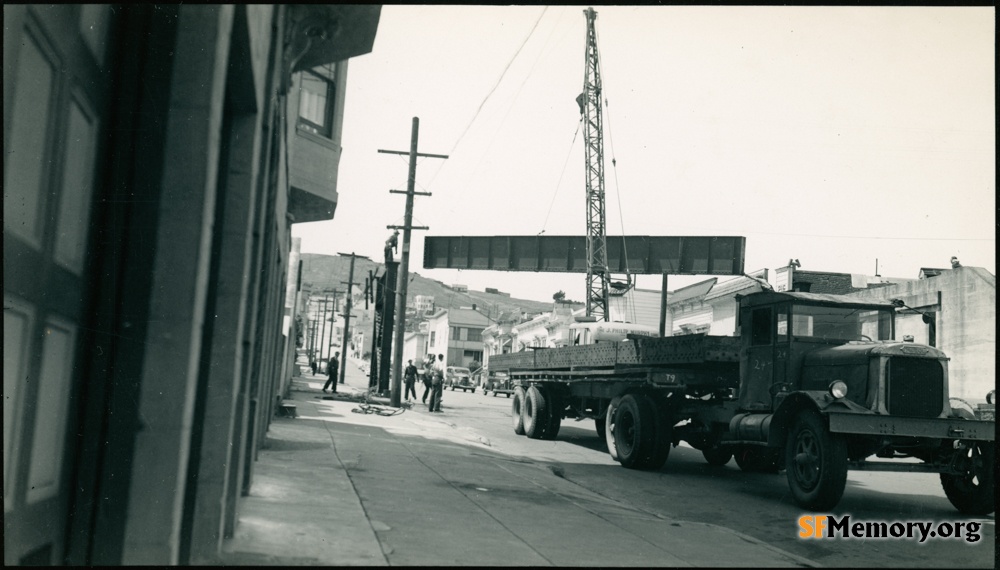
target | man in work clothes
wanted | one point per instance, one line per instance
(410, 378)
(331, 371)
(437, 385)
(428, 376)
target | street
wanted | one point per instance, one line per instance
(688, 489)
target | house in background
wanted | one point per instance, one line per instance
(458, 334)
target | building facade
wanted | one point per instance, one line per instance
(154, 159)
(457, 334)
(961, 319)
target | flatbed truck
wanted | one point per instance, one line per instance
(813, 384)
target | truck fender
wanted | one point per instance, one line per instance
(795, 402)
(788, 410)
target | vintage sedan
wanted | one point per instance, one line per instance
(458, 377)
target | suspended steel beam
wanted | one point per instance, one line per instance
(641, 255)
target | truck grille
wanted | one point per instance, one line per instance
(915, 387)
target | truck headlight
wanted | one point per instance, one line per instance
(838, 389)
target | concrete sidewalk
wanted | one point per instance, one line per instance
(340, 487)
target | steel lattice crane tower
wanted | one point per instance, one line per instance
(593, 136)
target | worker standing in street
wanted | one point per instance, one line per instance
(410, 378)
(437, 384)
(428, 376)
(331, 370)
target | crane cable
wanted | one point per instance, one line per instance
(614, 168)
(561, 174)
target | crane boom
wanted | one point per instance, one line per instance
(593, 136)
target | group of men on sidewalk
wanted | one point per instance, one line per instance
(433, 381)
(434, 371)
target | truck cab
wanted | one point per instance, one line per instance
(806, 341)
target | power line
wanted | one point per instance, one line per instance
(561, 174)
(497, 84)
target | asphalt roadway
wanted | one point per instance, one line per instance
(336, 486)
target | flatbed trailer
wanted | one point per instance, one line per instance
(813, 385)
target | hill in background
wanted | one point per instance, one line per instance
(327, 272)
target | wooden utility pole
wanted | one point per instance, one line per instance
(347, 315)
(402, 277)
(322, 326)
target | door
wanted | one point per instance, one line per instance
(758, 365)
(56, 82)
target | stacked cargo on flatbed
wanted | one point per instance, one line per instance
(690, 360)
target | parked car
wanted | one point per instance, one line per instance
(498, 383)
(458, 377)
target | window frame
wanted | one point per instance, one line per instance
(328, 75)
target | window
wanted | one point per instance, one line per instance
(432, 337)
(782, 325)
(760, 333)
(475, 335)
(317, 94)
(841, 324)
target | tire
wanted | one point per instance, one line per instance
(517, 410)
(554, 416)
(759, 459)
(599, 424)
(536, 413)
(974, 492)
(817, 463)
(717, 456)
(609, 427)
(641, 433)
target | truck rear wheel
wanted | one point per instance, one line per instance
(816, 462)
(973, 493)
(716, 455)
(757, 459)
(517, 410)
(641, 434)
(609, 427)
(536, 413)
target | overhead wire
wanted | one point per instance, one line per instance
(492, 90)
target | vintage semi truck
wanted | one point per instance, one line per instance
(813, 384)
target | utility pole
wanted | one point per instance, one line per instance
(402, 277)
(322, 326)
(347, 314)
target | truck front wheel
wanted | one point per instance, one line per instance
(973, 492)
(517, 410)
(816, 463)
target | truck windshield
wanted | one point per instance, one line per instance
(840, 324)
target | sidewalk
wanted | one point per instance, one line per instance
(335, 487)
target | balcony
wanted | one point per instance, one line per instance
(323, 38)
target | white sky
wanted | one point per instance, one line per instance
(837, 136)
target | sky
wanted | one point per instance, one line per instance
(844, 137)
